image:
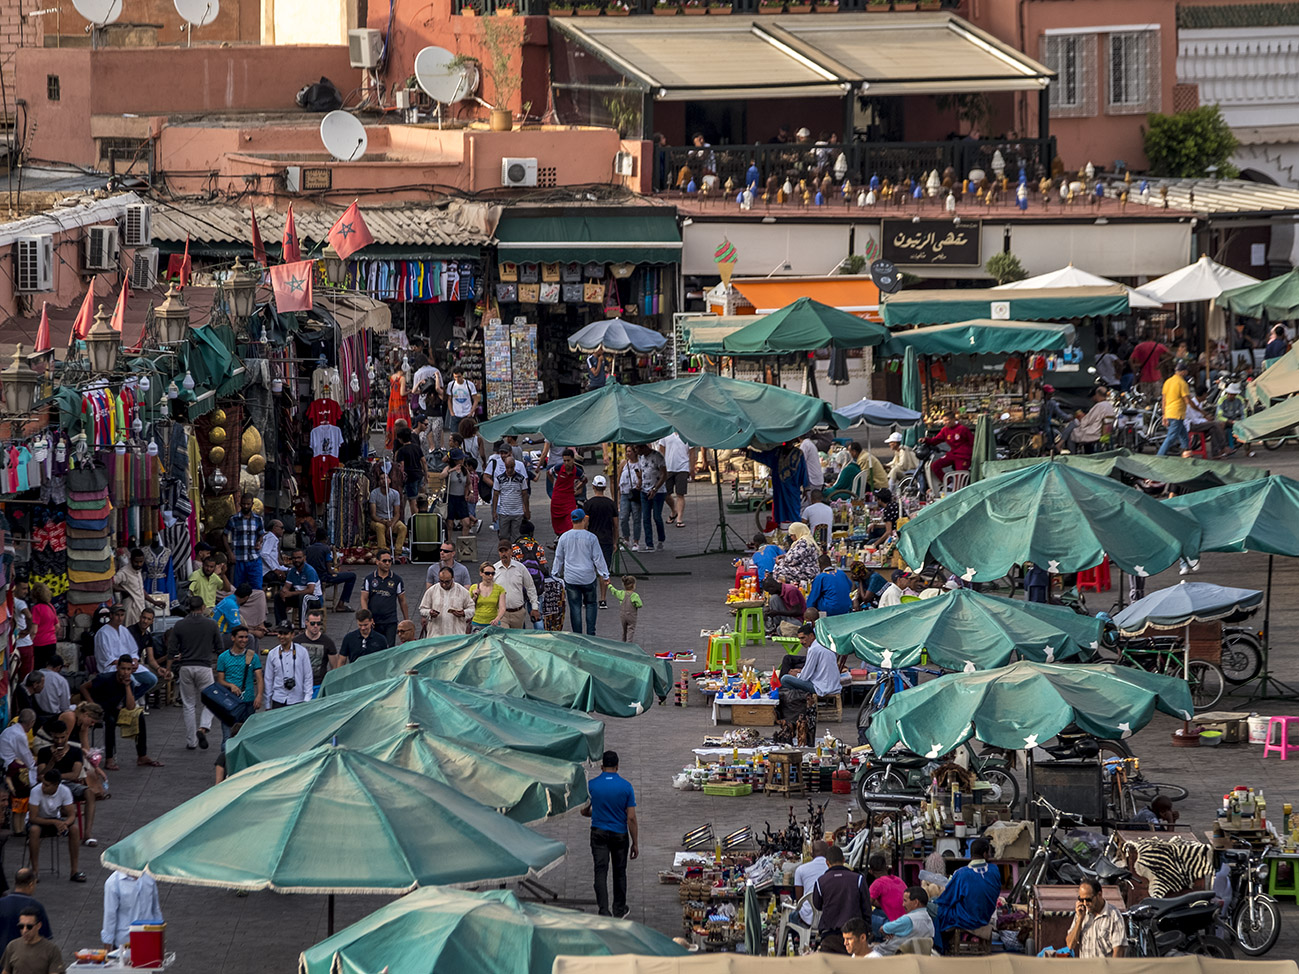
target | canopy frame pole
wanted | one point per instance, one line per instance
(1266, 681)
(330, 924)
(620, 550)
(1029, 808)
(721, 526)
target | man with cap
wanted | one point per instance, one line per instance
(1177, 396)
(1098, 421)
(893, 592)
(288, 671)
(578, 562)
(904, 460)
(1231, 410)
(114, 641)
(602, 517)
(1213, 432)
(520, 589)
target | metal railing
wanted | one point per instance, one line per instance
(856, 162)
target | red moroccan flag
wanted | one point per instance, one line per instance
(291, 250)
(350, 233)
(292, 285)
(43, 329)
(119, 313)
(259, 248)
(86, 316)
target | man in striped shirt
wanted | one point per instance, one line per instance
(509, 498)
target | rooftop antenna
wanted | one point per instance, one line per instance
(100, 13)
(344, 136)
(196, 13)
(443, 79)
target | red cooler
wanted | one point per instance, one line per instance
(148, 943)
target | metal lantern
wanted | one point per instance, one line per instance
(242, 288)
(335, 266)
(20, 385)
(172, 317)
(102, 343)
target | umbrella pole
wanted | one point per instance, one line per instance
(331, 915)
(721, 525)
(1266, 681)
(1028, 800)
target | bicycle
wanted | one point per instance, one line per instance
(1130, 791)
(1164, 654)
(1055, 862)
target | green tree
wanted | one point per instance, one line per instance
(1188, 143)
(1005, 268)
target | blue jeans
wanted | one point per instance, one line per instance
(247, 571)
(1176, 434)
(653, 507)
(629, 516)
(143, 681)
(577, 595)
(797, 683)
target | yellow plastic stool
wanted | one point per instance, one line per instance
(790, 644)
(723, 651)
(750, 626)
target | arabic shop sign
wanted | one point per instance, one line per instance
(931, 242)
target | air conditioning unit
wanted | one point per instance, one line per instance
(137, 230)
(101, 249)
(144, 269)
(624, 164)
(518, 172)
(35, 263)
(364, 47)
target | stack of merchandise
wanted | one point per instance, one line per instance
(90, 550)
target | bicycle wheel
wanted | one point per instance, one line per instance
(1020, 444)
(1242, 657)
(1206, 682)
(1144, 792)
(1207, 946)
(1257, 924)
(1125, 803)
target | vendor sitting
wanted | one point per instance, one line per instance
(785, 602)
(862, 460)
(1160, 815)
(819, 673)
(961, 440)
(969, 900)
(913, 932)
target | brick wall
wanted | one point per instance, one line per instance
(17, 31)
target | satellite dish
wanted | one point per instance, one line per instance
(885, 276)
(99, 12)
(441, 78)
(344, 136)
(198, 13)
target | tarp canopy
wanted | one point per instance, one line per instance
(941, 307)
(1193, 473)
(878, 412)
(1262, 515)
(1023, 705)
(962, 630)
(445, 931)
(561, 668)
(1273, 421)
(1182, 604)
(979, 337)
(1281, 378)
(353, 312)
(803, 326)
(1275, 299)
(822, 963)
(648, 236)
(268, 828)
(1205, 280)
(377, 711)
(615, 335)
(1072, 276)
(845, 292)
(1060, 518)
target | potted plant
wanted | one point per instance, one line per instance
(931, 4)
(617, 8)
(827, 6)
(720, 8)
(468, 10)
(561, 8)
(771, 6)
(502, 40)
(665, 8)
(904, 4)
(800, 8)
(694, 8)
(505, 10)
(877, 6)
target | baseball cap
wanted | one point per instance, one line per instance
(577, 515)
(1048, 388)
(1234, 389)
(1181, 366)
(599, 482)
(803, 133)
(284, 627)
(457, 454)
(893, 438)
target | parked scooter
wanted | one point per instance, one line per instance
(1175, 927)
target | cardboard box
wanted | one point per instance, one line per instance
(747, 715)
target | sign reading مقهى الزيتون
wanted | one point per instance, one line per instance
(931, 242)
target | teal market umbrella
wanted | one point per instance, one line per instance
(614, 413)
(805, 325)
(962, 630)
(377, 711)
(911, 390)
(984, 450)
(1184, 603)
(1192, 473)
(616, 335)
(447, 931)
(1276, 420)
(1062, 519)
(752, 921)
(560, 668)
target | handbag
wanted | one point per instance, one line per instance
(227, 706)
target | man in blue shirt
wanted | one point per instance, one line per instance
(788, 480)
(244, 532)
(226, 613)
(831, 590)
(612, 811)
(820, 671)
(301, 588)
(970, 898)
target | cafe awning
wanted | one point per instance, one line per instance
(854, 294)
(980, 337)
(962, 304)
(697, 59)
(636, 238)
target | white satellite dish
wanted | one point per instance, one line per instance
(344, 136)
(99, 12)
(441, 78)
(198, 13)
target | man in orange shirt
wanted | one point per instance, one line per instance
(1176, 396)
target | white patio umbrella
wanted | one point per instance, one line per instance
(1204, 280)
(1071, 276)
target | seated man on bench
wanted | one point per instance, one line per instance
(820, 673)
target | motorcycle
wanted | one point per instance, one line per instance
(1175, 927)
(915, 484)
(905, 773)
(1254, 918)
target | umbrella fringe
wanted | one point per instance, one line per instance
(1197, 617)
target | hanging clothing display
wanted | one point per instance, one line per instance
(347, 519)
(398, 404)
(90, 568)
(415, 281)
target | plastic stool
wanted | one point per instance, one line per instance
(744, 571)
(790, 644)
(722, 651)
(1197, 445)
(1096, 579)
(1282, 747)
(1278, 887)
(750, 626)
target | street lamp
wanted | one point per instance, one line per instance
(335, 266)
(172, 317)
(20, 385)
(102, 343)
(242, 288)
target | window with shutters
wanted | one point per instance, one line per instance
(1132, 78)
(1073, 58)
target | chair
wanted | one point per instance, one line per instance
(427, 531)
(723, 651)
(954, 480)
(821, 534)
(791, 921)
(750, 625)
(1196, 445)
(785, 773)
(830, 708)
(1282, 746)
(1096, 579)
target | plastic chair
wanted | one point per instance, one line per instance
(750, 626)
(744, 571)
(791, 921)
(722, 651)
(1096, 579)
(790, 644)
(1283, 746)
(954, 480)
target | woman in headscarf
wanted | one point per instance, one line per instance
(798, 565)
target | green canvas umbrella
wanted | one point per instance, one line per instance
(522, 786)
(269, 828)
(1062, 519)
(1275, 299)
(446, 931)
(1190, 472)
(614, 413)
(962, 630)
(1273, 421)
(804, 326)
(984, 450)
(565, 669)
(378, 711)
(979, 337)
(1020, 706)
(911, 391)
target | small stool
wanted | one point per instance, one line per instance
(1096, 579)
(969, 943)
(830, 708)
(785, 773)
(1278, 887)
(1196, 445)
(1283, 746)
(750, 626)
(744, 571)
(722, 652)
(790, 644)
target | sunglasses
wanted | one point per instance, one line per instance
(489, 573)
(385, 561)
(26, 926)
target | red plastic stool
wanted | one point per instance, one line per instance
(744, 571)
(1096, 579)
(1202, 449)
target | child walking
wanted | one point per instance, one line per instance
(630, 604)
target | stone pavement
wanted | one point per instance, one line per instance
(213, 930)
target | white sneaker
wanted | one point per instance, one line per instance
(478, 525)
(635, 546)
(1195, 565)
(1184, 570)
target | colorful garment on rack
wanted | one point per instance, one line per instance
(398, 405)
(324, 412)
(322, 466)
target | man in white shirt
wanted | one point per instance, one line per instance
(447, 606)
(14, 749)
(462, 398)
(520, 589)
(273, 568)
(812, 458)
(818, 512)
(288, 671)
(53, 814)
(807, 874)
(114, 641)
(820, 672)
(126, 900)
(893, 592)
(676, 457)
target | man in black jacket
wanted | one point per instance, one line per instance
(841, 895)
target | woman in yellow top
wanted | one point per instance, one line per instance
(489, 599)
